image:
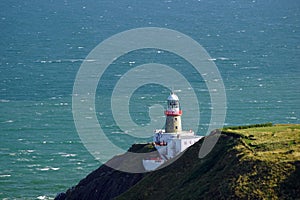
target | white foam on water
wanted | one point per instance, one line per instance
(48, 142)
(33, 165)
(5, 175)
(44, 169)
(116, 132)
(9, 121)
(223, 58)
(293, 118)
(43, 197)
(90, 60)
(4, 100)
(69, 155)
(249, 67)
(24, 160)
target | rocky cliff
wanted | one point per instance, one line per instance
(107, 183)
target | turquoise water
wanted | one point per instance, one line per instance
(255, 45)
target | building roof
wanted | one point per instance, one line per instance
(173, 97)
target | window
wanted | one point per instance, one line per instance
(175, 118)
(176, 127)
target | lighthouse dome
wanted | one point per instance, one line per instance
(173, 97)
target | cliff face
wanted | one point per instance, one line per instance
(107, 183)
(103, 183)
(246, 163)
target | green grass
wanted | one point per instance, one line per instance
(269, 124)
(270, 153)
(274, 142)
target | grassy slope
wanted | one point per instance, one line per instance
(255, 163)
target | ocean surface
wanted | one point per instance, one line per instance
(255, 45)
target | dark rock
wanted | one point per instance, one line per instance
(60, 196)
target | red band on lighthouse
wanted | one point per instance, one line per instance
(173, 113)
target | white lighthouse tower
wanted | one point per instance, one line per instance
(173, 113)
(172, 140)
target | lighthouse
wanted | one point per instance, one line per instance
(172, 140)
(173, 115)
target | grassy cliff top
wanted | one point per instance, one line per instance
(248, 162)
(278, 143)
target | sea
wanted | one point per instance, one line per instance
(255, 45)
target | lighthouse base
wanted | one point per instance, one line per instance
(169, 145)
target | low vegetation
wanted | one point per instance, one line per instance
(269, 124)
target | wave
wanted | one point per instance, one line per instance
(293, 118)
(48, 168)
(5, 175)
(219, 58)
(4, 101)
(9, 121)
(249, 67)
(65, 60)
(43, 197)
(69, 155)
